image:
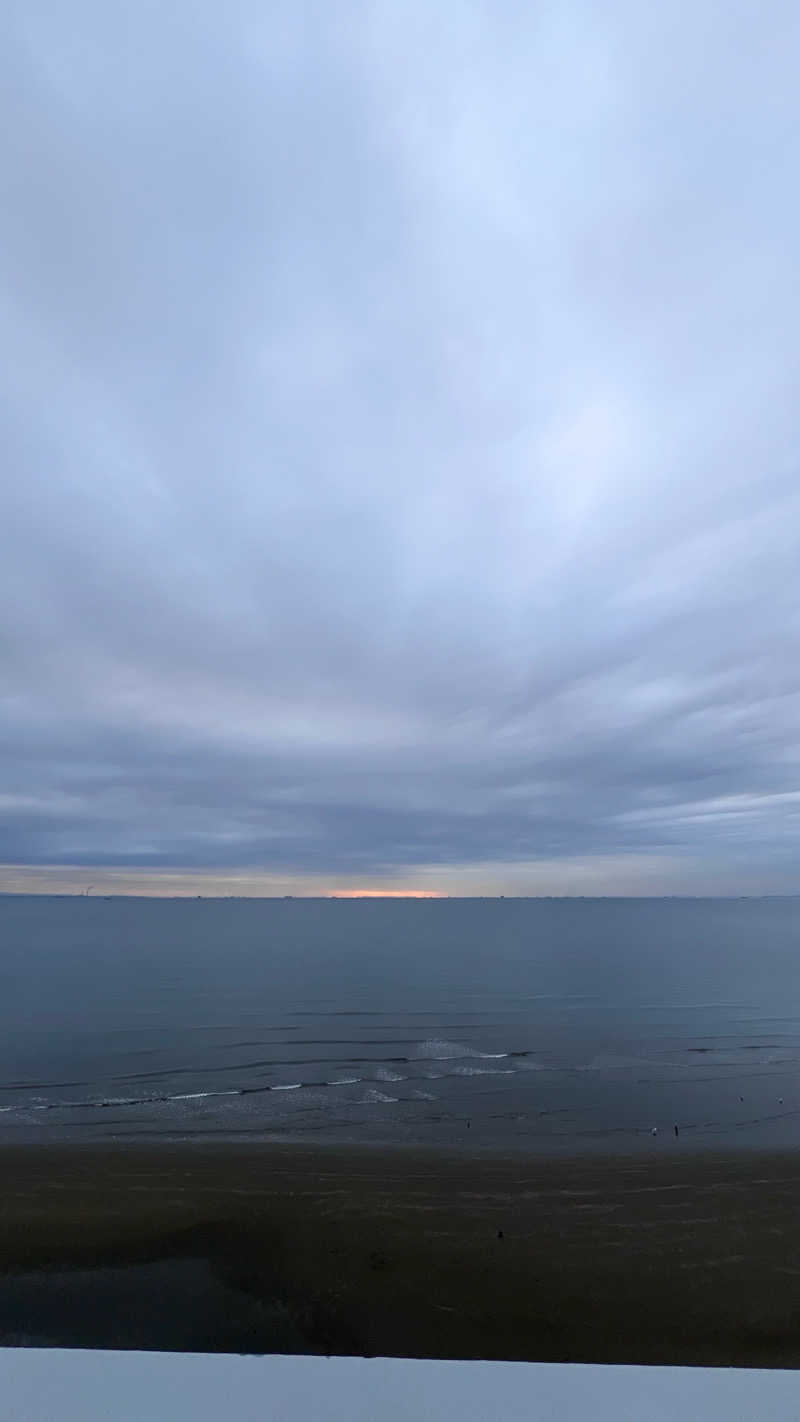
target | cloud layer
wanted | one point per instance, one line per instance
(402, 443)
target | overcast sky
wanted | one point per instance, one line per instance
(400, 445)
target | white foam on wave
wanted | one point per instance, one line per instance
(34, 1103)
(289, 1086)
(378, 1098)
(344, 1081)
(96, 1103)
(482, 1071)
(200, 1095)
(383, 1074)
(441, 1050)
(436, 1049)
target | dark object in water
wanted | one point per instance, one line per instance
(499, 1234)
(675, 1129)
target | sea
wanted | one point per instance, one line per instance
(552, 1025)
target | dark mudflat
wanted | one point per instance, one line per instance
(271, 1248)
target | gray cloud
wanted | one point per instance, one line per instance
(401, 442)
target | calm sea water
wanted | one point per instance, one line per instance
(516, 1023)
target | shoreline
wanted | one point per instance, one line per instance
(261, 1247)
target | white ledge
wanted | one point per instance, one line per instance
(65, 1385)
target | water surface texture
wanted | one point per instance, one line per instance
(506, 1024)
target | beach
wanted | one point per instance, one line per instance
(271, 1248)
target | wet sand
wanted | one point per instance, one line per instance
(272, 1248)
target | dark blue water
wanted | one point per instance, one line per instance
(542, 1024)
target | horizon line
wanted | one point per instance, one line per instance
(374, 895)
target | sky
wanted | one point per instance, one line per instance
(400, 428)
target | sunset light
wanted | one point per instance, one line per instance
(387, 894)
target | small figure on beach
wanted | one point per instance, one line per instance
(654, 1131)
(499, 1234)
(675, 1129)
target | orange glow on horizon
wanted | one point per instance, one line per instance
(387, 894)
